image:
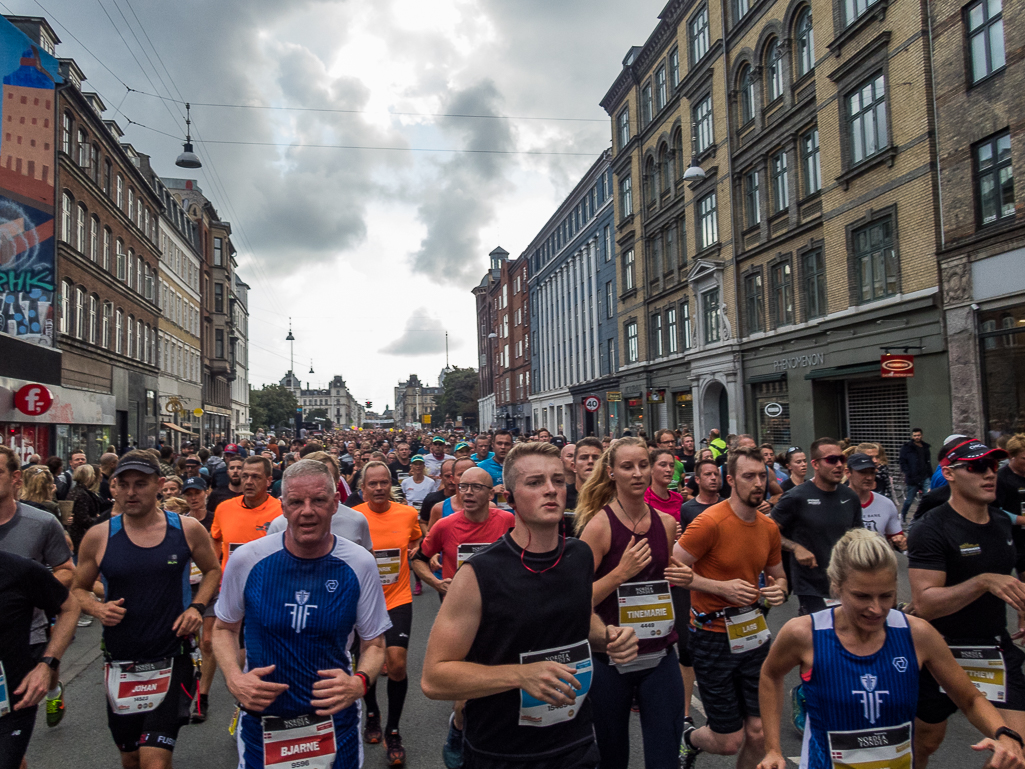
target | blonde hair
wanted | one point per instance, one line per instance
(861, 448)
(86, 477)
(600, 489)
(859, 550)
(37, 484)
(176, 505)
(1015, 444)
(370, 466)
(327, 459)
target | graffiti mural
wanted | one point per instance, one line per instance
(28, 160)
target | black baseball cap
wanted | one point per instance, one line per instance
(973, 449)
(193, 461)
(142, 463)
(858, 462)
(194, 483)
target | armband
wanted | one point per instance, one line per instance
(366, 681)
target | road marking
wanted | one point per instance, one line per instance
(696, 703)
(795, 759)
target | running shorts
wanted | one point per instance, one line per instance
(401, 624)
(15, 732)
(728, 683)
(582, 757)
(159, 727)
(681, 608)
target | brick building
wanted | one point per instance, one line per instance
(486, 343)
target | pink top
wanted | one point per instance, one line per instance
(669, 506)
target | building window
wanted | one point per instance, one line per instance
(780, 185)
(218, 297)
(119, 321)
(774, 71)
(674, 68)
(626, 200)
(708, 224)
(218, 252)
(108, 311)
(656, 336)
(752, 199)
(130, 267)
(94, 309)
(740, 9)
(753, 303)
(747, 96)
(130, 349)
(624, 129)
(131, 203)
(83, 149)
(671, 329)
(805, 34)
(611, 344)
(810, 161)
(608, 243)
(107, 171)
(94, 238)
(65, 308)
(985, 37)
(66, 216)
(704, 136)
(875, 261)
(661, 91)
(646, 111)
(697, 33)
(650, 182)
(688, 333)
(121, 273)
(782, 304)
(678, 159)
(610, 300)
(866, 115)
(994, 179)
(66, 133)
(856, 8)
(629, 278)
(219, 344)
(632, 353)
(710, 313)
(120, 192)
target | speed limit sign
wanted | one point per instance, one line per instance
(592, 403)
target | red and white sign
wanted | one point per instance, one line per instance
(33, 400)
(307, 741)
(592, 403)
(897, 366)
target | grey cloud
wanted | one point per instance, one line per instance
(421, 336)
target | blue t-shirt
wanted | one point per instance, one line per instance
(493, 469)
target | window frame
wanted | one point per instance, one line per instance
(811, 175)
(629, 270)
(979, 174)
(814, 293)
(647, 105)
(623, 128)
(711, 331)
(804, 42)
(779, 181)
(632, 345)
(626, 205)
(746, 88)
(983, 31)
(781, 293)
(858, 258)
(674, 69)
(698, 35)
(855, 9)
(703, 217)
(672, 331)
(854, 119)
(686, 323)
(704, 125)
(661, 89)
(655, 334)
(752, 199)
(754, 302)
(775, 86)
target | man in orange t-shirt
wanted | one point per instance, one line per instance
(242, 519)
(395, 532)
(729, 546)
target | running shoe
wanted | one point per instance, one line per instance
(418, 588)
(396, 753)
(452, 750)
(85, 621)
(688, 755)
(200, 713)
(797, 704)
(372, 731)
(55, 707)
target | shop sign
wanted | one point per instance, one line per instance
(799, 361)
(33, 400)
(896, 366)
(773, 410)
(592, 403)
(684, 397)
(634, 402)
(614, 396)
(197, 412)
(656, 396)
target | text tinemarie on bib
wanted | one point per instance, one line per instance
(647, 607)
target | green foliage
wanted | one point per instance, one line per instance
(458, 398)
(312, 414)
(272, 406)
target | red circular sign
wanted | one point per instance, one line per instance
(33, 400)
(592, 403)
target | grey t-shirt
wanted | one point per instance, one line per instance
(345, 523)
(35, 534)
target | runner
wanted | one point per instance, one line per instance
(523, 665)
(588, 451)
(658, 494)
(729, 547)
(395, 532)
(417, 486)
(301, 593)
(566, 455)
(457, 538)
(632, 547)
(242, 519)
(233, 489)
(454, 503)
(143, 556)
(482, 448)
(960, 568)
(797, 468)
(446, 488)
(437, 456)
(860, 662)
(400, 468)
(502, 444)
(878, 513)
(27, 587)
(463, 450)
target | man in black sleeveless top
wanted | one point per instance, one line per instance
(144, 555)
(524, 665)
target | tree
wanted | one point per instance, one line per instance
(458, 397)
(272, 406)
(313, 414)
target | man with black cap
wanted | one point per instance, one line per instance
(436, 457)
(960, 569)
(144, 558)
(192, 467)
(878, 513)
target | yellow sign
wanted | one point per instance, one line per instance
(683, 397)
(426, 419)
(197, 412)
(174, 405)
(614, 397)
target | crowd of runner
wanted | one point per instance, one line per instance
(579, 583)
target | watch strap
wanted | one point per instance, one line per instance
(1004, 731)
(200, 607)
(51, 662)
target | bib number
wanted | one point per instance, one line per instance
(195, 574)
(985, 668)
(745, 628)
(888, 747)
(305, 741)
(534, 712)
(137, 687)
(647, 607)
(5, 695)
(467, 550)
(388, 563)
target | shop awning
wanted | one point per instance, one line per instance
(176, 428)
(760, 378)
(843, 371)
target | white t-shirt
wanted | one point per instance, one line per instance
(416, 492)
(881, 516)
(433, 464)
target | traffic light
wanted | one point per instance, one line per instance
(369, 404)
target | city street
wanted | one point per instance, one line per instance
(84, 740)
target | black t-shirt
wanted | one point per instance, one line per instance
(962, 549)
(571, 496)
(816, 520)
(788, 484)
(1010, 491)
(429, 502)
(24, 586)
(397, 467)
(220, 495)
(688, 461)
(931, 500)
(691, 509)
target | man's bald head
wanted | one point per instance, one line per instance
(475, 500)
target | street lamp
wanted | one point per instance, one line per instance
(291, 345)
(188, 158)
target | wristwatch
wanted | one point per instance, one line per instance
(200, 607)
(51, 662)
(1004, 731)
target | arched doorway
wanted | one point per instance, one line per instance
(715, 408)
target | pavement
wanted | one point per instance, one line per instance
(82, 738)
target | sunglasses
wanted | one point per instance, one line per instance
(832, 459)
(793, 450)
(978, 466)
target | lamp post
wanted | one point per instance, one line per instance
(188, 158)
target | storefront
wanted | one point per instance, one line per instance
(684, 407)
(1002, 355)
(772, 412)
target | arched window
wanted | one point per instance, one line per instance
(65, 319)
(650, 181)
(130, 269)
(663, 167)
(140, 341)
(67, 214)
(108, 311)
(106, 248)
(80, 228)
(773, 71)
(678, 160)
(94, 311)
(121, 274)
(139, 285)
(121, 192)
(131, 202)
(94, 238)
(79, 312)
(804, 34)
(130, 351)
(747, 95)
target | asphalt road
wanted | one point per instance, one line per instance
(82, 739)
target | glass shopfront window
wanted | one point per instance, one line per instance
(92, 439)
(1002, 343)
(684, 412)
(772, 405)
(635, 415)
(26, 440)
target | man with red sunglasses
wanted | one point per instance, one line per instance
(960, 566)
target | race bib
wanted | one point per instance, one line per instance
(534, 712)
(233, 546)
(137, 687)
(467, 550)
(647, 607)
(985, 668)
(5, 696)
(195, 574)
(388, 563)
(888, 747)
(831, 602)
(745, 628)
(304, 741)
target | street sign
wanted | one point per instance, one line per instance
(197, 412)
(592, 403)
(426, 419)
(773, 410)
(897, 366)
(33, 400)
(614, 396)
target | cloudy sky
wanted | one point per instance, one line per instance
(372, 252)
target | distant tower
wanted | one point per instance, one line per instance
(25, 141)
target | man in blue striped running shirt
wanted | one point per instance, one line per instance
(302, 593)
